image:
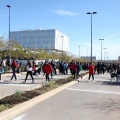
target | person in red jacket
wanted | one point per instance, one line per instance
(74, 69)
(14, 65)
(47, 69)
(91, 71)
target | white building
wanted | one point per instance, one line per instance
(46, 39)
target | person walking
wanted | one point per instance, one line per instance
(1, 72)
(79, 68)
(14, 65)
(118, 74)
(29, 71)
(47, 69)
(74, 69)
(91, 71)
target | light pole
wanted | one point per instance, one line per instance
(79, 52)
(9, 56)
(101, 48)
(104, 53)
(91, 30)
(87, 54)
(62, 46)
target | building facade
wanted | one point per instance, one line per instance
(45, 39)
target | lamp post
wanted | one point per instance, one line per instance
(62, 46)
(104, 53)
(87, 54)
(79, 52)
(101, 48)
(91, 13)
(9, 56)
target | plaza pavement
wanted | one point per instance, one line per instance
(8, 87)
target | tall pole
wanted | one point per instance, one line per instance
(104, 53)
(9, 56)
(79, 52)
(62, 48)
(101, 48)
(87, 54)
(91, 31)
(91, 38)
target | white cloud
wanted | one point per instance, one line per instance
(64, 12)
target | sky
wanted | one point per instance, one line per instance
(70, 18)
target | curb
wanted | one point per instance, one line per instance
(18, 109)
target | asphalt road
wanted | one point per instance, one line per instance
(99, 100)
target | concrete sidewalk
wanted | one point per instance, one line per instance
(8, 87)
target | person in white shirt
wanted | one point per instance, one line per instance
(29, 71)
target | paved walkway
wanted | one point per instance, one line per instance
(8, 87)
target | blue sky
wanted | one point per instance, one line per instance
(69, 17)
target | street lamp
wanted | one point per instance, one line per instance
(62, 46)
(91, 30)
(87, 54)
(104, 53)
(79, 52)
(9, 56)
(101, 48)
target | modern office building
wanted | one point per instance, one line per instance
(51, 40)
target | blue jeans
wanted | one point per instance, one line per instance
(14, 74)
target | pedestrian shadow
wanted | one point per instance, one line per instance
(106, 82)
(113, 83)
(106, 106)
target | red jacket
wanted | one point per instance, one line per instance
(34, 68)
(74, 67)
(14, 64)
(91, 69)
(47, 68)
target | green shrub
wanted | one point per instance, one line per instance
(18, 94)
(51, 83)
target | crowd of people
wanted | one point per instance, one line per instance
(112, 68)
(51, 68)
(48, 68)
